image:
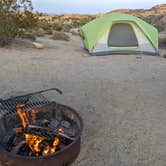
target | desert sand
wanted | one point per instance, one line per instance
(121, 98)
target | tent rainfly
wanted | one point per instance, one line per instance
(119, 34)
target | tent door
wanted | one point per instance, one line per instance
(122, 35)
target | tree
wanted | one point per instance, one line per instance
(12, 14)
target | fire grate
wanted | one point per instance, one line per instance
(31, 100)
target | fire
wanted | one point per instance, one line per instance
(19, 131)
(33, 114)
(34, 142)
(37, 144)
(23, 116)
(55, 144)
(49, 150)
(60, 130)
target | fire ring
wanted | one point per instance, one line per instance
(57, 128)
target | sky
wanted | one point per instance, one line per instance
(90, 6)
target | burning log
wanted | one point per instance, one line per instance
(40, 137)
(45, 132)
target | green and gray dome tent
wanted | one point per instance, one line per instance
(119, 34)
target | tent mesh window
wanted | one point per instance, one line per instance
(122, 35)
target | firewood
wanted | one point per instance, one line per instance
(16, 149)
(45, 132)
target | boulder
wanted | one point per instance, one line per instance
(74, 31)
(38, 45)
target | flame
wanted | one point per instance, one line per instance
(33, 114)
(55, 144)
(23, 116)
(49, 150)
(60, 130)
(19, 130)
(34, 142)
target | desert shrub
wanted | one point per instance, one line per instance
(60, 36)
(7, 31)
(28, 35)
(57, 26)
(40, 32)
(45, 25)
(27, 20)
(10, 18)
(84, 21)
(160, 27)
(67, 27)
(162, 39)
(49, 32)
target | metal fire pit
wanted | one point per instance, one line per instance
(9, 119)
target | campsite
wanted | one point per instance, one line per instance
(121, 96)
(126, 93)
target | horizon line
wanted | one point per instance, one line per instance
(95, 13)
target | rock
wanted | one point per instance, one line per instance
(74, 31)
(38, 45)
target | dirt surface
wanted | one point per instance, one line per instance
(121, 98)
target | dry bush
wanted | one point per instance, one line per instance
(60, 36)
(160, 27)
(162, 39)
(28, 35)
(11, 19)
(157, 21)
(40, 32)
(46, 26)
(57, 26)
(8, 29)
(84, 21)
(67, 27)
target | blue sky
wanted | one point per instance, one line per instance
(90, 6)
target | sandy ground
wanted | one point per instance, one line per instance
(121, 98)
